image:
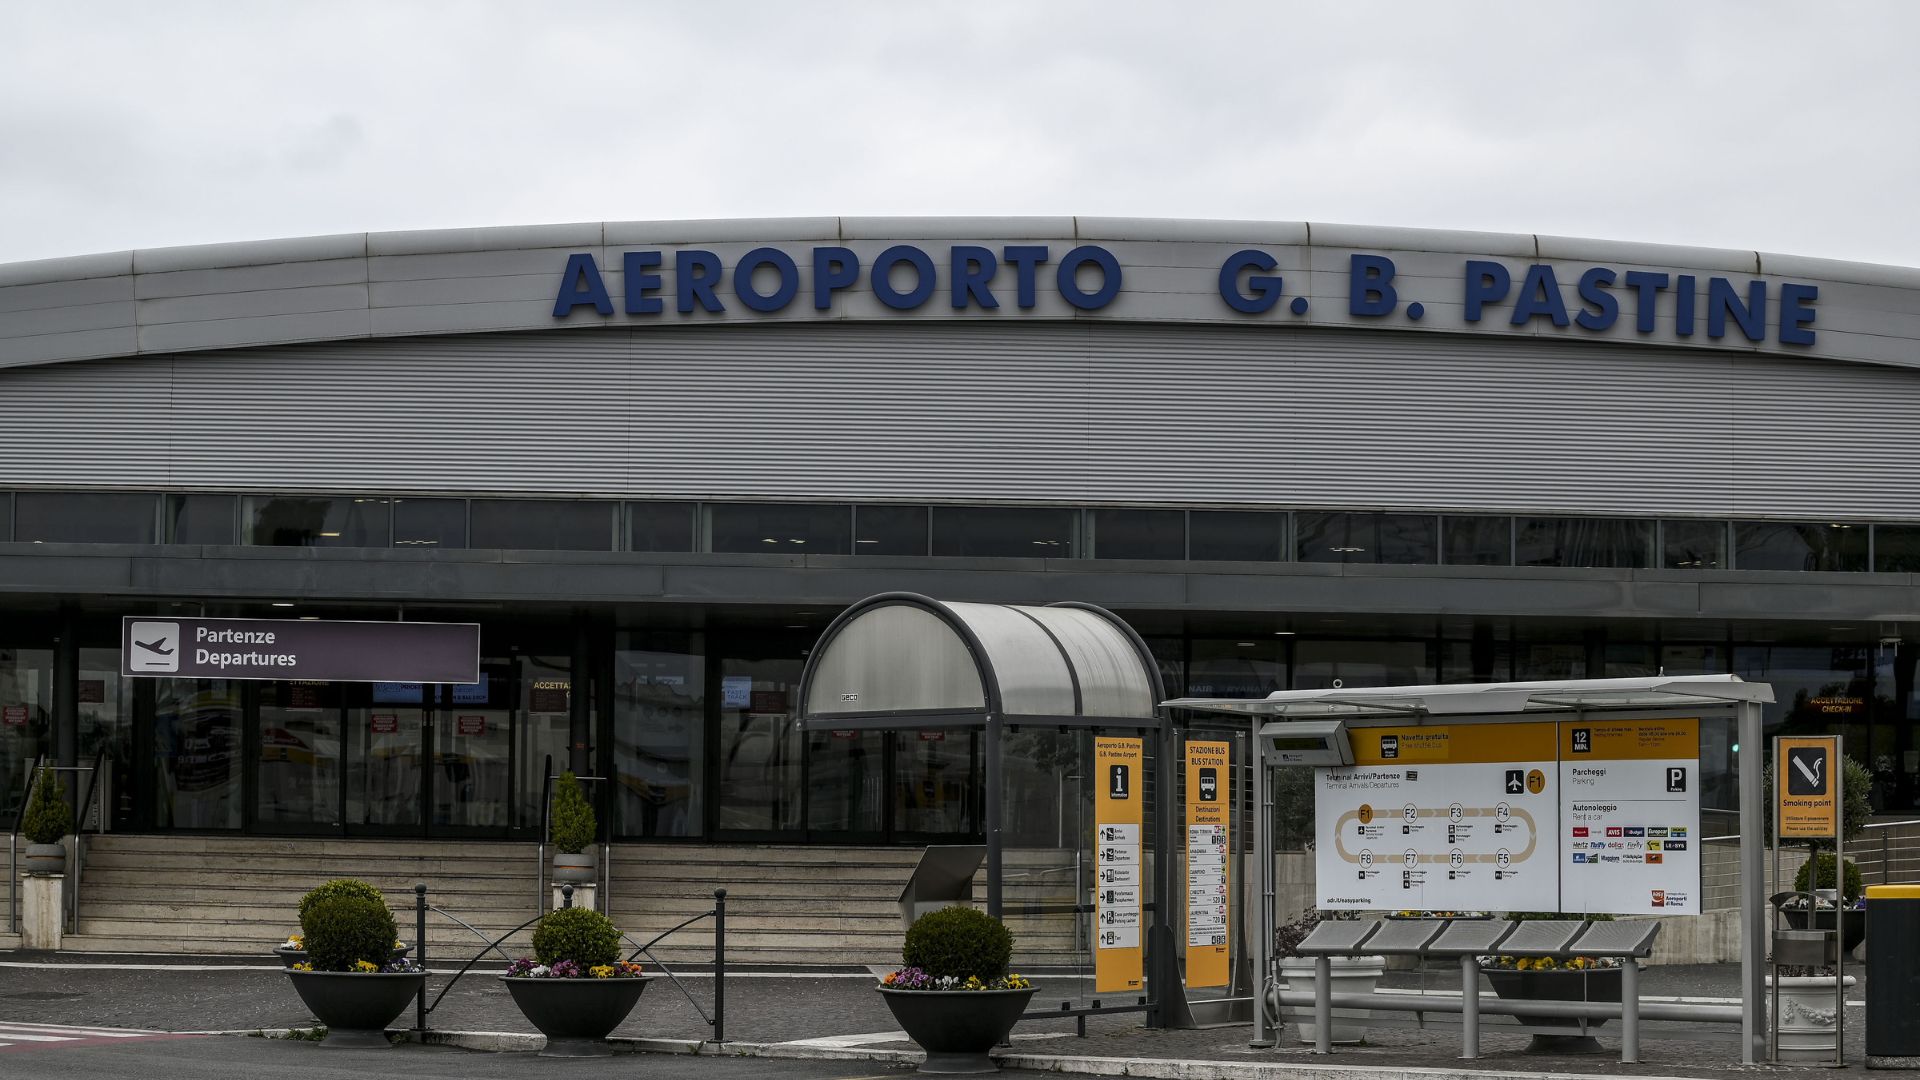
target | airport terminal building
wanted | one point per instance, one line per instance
(652, 460)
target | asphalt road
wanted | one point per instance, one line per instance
(221, 1057)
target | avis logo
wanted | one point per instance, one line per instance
(1659, 897)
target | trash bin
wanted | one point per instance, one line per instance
(1893, 977)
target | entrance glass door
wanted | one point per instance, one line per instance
(297, 778)
(386, 749)
(471, 739)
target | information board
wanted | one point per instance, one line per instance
(1440, 818)
(1209, 838)
(1118, 959)
(1630, 810)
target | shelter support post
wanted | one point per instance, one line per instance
(1469, 1007)
(1323, 1004)
(991, 817)
(1753, 917)
(1261, 890)
(1630, 1011)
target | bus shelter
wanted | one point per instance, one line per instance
(909, 663)
(1320, 728)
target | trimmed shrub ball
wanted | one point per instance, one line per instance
(581, 935)
(959, 941)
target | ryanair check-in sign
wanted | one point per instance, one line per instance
(1806, 799)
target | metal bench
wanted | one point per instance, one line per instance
(1466, 941)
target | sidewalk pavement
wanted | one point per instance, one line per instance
(837, 1015)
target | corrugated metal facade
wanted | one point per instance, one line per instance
(1059, 412)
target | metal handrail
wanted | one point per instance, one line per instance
(13, 844)
(717, 1021)
(80, 836)
(546, 825)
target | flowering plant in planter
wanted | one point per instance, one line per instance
(954, 995)
(575, 988)
(528, 968)
(349, 973)
(913, 978)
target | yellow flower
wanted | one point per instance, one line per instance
(601, 971)
(365, 966)
(303, 966)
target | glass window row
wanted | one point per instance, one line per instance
(372, 521)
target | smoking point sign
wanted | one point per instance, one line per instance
(1598, 816)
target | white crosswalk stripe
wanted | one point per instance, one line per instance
(24, 1036)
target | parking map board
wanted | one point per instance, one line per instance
(1208, 843)
(1631, 816)
(1118, 958)
(1440, 818)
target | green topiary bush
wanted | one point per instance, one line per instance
(340, 887)
(1855, 885)
(47, 814)
(581, 935)
(344, 931)
(572, 826)
(958, 941)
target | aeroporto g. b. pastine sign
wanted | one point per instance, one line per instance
(1253, 281)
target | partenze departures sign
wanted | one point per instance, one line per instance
(339, 651)
(1089, 277)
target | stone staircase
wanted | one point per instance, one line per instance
(809, 905)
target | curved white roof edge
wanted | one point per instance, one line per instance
(453, 281)
(1455, 699)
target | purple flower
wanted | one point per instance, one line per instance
(566, 969)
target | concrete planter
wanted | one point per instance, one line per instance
(957, 1027)
(46, 859)
(356, 1007)
(1351, 975)
(572, 869)
(1807, 1012)
(576, 1015)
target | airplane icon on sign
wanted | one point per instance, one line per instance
(154, 646)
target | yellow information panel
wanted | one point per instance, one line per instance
(1209, 838)
(1805, 802)
(1118, 817)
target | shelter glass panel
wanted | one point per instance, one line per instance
(660, 734)
(68, 517)
(1005, 532)
(1234, 536)
(1600, 542)
(1896, 549)
(1361, 663)
(660, 526)
(1139, 534)
(890, 530)
(197, 727)
(1366, 538)
(781, 528)
(1781, 545)
(1043, 804)
(202, 519)
(934, 780)
(440, 523)
(541, 525)
(26, 721)
(1477, 541)
(1693, 545)
(318, 521)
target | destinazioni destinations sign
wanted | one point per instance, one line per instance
(1251, 281)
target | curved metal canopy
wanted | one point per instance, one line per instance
(903, 660)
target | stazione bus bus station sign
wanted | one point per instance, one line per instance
(328, 651)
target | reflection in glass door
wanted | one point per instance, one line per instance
(846, 784)
(471, 739)
(297, 780)
(933, 782)
(386, 744)
(196, 737)
(761, 764)
(546, 700)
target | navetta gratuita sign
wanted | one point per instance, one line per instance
(332, 651)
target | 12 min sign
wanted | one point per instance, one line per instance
(325, 651)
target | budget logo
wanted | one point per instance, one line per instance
(1636, 830)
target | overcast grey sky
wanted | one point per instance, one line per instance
(1779, 126)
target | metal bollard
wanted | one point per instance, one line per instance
(566, 896)
(420, 953)
(719, 965)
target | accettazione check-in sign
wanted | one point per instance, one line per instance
(328, 651)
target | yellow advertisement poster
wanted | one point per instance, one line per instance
(1208, 845)
(1806, 800)
(1118, 821)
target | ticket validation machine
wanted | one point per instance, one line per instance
(1306, 742)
